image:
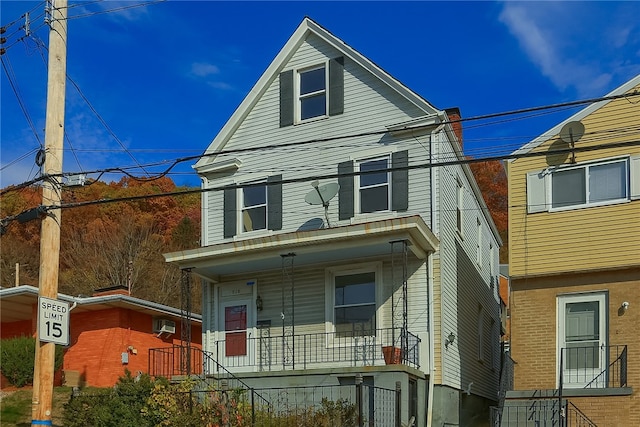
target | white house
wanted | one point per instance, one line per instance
(341, 235)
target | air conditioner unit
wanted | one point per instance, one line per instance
(165, 326)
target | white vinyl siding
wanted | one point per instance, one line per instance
(366, 100)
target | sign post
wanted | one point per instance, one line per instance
(53, 321)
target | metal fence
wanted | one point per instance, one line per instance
(354, 405)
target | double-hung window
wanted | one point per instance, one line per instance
(590, 184)
(354, 303)
(312, 93)
(254, 208)
(374, 184)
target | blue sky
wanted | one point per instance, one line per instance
(165, 77)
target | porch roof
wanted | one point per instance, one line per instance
(366, 239)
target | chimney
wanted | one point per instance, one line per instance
(113, 290)
(456, 124)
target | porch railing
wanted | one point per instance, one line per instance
(176, 360)
(583, 366)
(267, 352)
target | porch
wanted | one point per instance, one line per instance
(584, 373)
(272, 353)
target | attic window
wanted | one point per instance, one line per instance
(312, 93)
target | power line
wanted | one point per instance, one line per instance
(338, 175)
(116, 9)
(327, 139)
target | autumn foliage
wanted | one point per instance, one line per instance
(492, 180)
(106, 244)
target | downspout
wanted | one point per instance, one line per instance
(432, 366)
(205, 286)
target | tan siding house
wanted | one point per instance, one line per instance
(574, 231)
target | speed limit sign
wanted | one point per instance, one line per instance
(53, 321)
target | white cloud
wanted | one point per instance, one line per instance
(203, 69)
(221, 85)
(577, 46)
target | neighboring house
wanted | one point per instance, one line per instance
(505, 295)
(109, 332)
(332, 240)
(574, 234)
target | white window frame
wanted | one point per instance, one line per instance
(562, 301)
(242, 208)
(358, 187)
(330, 275)
(299, 97)
(586, 167)
(459, 205)
(479, 243)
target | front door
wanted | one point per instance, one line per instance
(583, 340)
(234, 346)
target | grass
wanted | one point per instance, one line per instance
(15, 409)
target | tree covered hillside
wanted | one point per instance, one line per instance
(107, 244)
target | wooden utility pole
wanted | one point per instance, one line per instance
(51, 196)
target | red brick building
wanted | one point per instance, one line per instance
(109, 332)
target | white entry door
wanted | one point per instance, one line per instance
(235, 349)
(582, 340)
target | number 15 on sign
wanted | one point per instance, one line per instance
(53, 321)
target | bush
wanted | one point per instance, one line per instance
(17, 356)
(114, 407)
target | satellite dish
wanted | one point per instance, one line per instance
(570, 133)
(321, 195)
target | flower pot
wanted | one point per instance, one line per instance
(392, 355)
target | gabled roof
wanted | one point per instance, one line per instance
(17, 303)
(306, 27)
(546, 136)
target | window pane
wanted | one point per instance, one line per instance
(568, 188)
(312, 81)
(313, 106)
(607, 182)
(254, 195)
(254, 218)
(374, 199)
(356, 314)
(582, 320)
(355, 289)
(367, 180)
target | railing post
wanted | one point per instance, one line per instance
(359, 399)
(560, 380)
(398, 404)
(253, 407)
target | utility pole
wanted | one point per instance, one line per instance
(51, 196)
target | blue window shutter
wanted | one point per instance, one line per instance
(274, 202)
(345, 195)
(400, 181)
(286, 98)
(230, 212)
(336, 86)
